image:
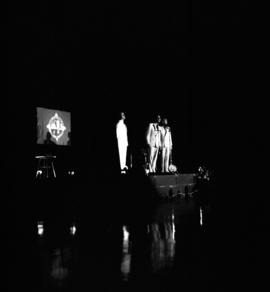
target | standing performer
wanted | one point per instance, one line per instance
(166, 144)
(122, 141)
(153, 141)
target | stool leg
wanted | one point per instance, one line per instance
(47, 168)
(38, 167)
(53, 170)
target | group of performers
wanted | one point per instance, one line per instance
(159, 141)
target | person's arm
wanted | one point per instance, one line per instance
(117, 130)
(161, 136)
(148, 133)
(127, 136)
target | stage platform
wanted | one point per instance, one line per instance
(172, 185)
(157, 185)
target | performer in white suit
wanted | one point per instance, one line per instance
(153, 141)
(122, 140)
(166, 145)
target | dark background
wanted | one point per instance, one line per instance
(194, 62)
(200, 63)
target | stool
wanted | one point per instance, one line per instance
(45, 166)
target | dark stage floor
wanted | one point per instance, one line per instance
(109, 245)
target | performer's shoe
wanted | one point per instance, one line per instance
(124, 170)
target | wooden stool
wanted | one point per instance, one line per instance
(45, 166)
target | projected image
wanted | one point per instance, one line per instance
(53, 127)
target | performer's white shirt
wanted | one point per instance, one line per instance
(121, 133)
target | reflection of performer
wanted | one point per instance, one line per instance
(162, 244)
(153, 141)
(122, 140)
(166, 144)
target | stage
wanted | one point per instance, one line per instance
(158, 185)
(172, 185)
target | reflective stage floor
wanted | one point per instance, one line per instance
(171, 244)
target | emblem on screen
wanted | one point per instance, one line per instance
(56, 127)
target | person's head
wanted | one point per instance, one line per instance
(122, 116)
(158, 118)
(164, 121)
(48, 136)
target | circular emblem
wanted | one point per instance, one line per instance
(56, 127)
